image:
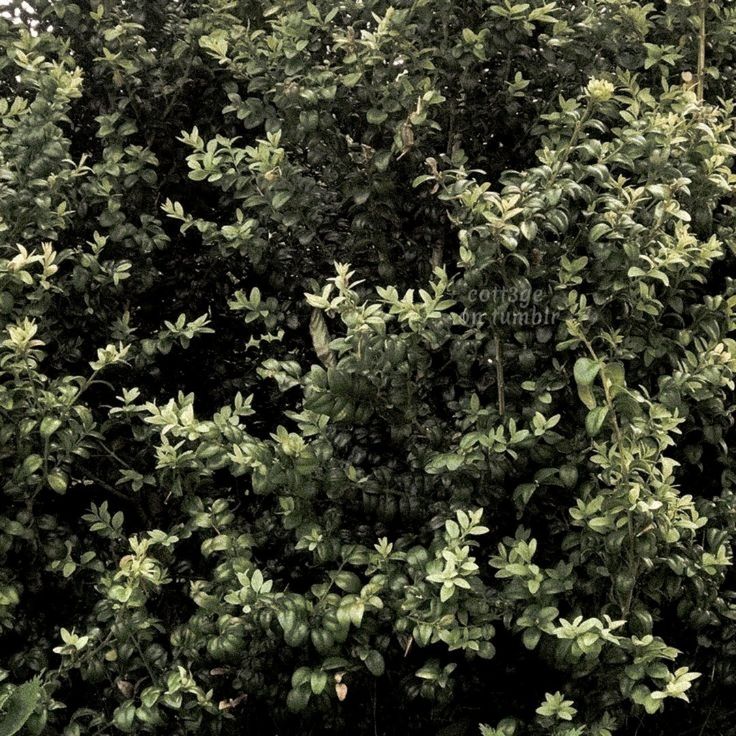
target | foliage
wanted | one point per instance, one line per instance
(367, 367)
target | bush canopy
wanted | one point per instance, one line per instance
(366, 368)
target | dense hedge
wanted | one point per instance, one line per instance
(366, 368)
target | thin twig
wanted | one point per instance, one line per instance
(701, 51)
(707, 718)
(499, 377)
(110, 489)
(134, 502)
(375, 698)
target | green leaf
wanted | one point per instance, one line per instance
(321, 339)
(469, 36)
(31, 464)
(531, 637)
(19, 707)
(598, 231)
(57, 481)
(586, 396)
(374, 662)
(594, 420)
(298, 698)
(585, 371)
(529, 229)
(49, 425)
(523, 493)
(300, 676)
(615, 374)
(348, 581)
(376, 117)
(280, 199)
(453, 461)
(350, 80)
(318, 681)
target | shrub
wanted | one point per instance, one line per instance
(367, 367)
